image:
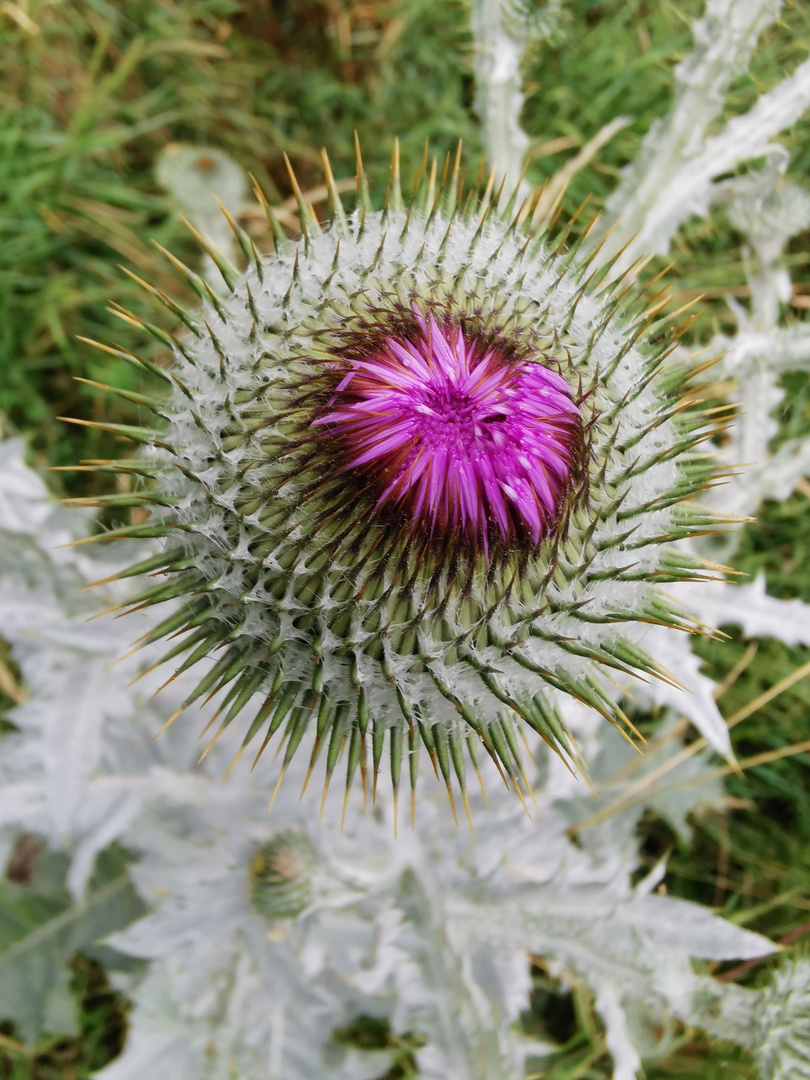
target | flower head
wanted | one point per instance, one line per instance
(414, 482)
(461, 439)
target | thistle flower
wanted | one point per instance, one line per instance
(414, 482)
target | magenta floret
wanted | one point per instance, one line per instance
(459, 435)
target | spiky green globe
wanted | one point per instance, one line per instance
(414, 483)
(281, 876)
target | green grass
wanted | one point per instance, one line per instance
(102, 1020)
(91, 92)
(88, 102)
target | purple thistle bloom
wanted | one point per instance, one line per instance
(418, 497)
(458, 434)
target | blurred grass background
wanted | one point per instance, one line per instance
(91, 91)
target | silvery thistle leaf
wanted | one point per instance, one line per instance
(768, 211)
(577, 909)
(416, 483)
(431, 931)
(690, 693)
(41, 928)
(673, 176)
(750, 606)
(665, 778)
(257, 921)
(23, 495)
(81, 763)
(502, 29)
(167, 1044)
(773, 1022)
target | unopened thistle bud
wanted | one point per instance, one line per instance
(281, 876)
(414, 481)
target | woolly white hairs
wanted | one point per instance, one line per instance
(781, 1030)
(674, 177)
(502, 29)
(768, 211)
(240, 990)
(81, 764)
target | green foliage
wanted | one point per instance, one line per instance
(41, 928)
(86, 101)
(91, 92)
(374, 1033)
(617, 59)
(102, 1028)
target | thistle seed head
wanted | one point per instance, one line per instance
(414, 481)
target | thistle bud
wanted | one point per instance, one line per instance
(281, 876)
(415, 480)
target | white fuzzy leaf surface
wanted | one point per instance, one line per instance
(693, 696)
(665, 778)
(81, 764)
(499, 91)
(786, 348)
(672, 175)
(782, 1027)
(768, 210)
(23, 495)
(432, 931)
(719, 603)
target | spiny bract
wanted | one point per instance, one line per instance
(415, 476)
(782, 1025)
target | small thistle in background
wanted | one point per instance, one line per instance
(414, 482)
(537, 20)
(281, 875)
